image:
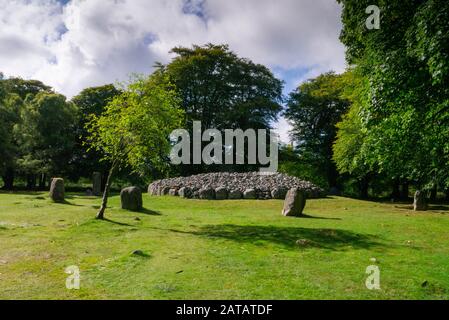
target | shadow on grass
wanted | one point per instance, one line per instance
(306, 216)
(117, 223)
(431, 207)
(332, 239)
(65, 202)
(150, 212)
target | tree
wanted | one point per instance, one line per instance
(313, 110)
(222, 90)
(133, 131)
(46, 135)
(90, 102)
(13, 93)
(406, 66)
(8, 118)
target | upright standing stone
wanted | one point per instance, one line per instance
(131, 199)
(96, 184)
(221, 193)
(235, 195)
(420, 203)
(295, 201)
(57, 190)
(250, 194)
(185, 192)
(207, 193)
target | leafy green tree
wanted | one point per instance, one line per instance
(223, 91)
(13, 93)
(134, 129)
(46, 135)
(407, 102)
(313, 110)
(90, 102)
(8, 118)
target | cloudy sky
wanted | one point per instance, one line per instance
(73, 44)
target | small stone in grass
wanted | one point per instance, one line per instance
(424, 284)
(303, 243)
(138, 253)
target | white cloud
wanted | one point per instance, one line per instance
(87, 43)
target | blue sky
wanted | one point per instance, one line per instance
(74, 44)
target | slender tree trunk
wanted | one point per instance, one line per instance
(104, 202)
(433, 194)
(31, 181)
(396, 194)
(405, 191)
(364, 187)
(42, 181)
(8, 179)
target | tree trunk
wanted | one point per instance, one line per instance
(433, 194)
(42, 181)
(8, 179)
(405, 191)
(396, 194)
(107, 187)
(364, 186)
(31, 181)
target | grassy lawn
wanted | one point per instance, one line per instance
(220, 250)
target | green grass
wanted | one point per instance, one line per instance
(220, 250)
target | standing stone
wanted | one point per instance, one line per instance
(165, 191)
(185, 193)
(173, 192)
(57, 190)
(235, 195)
(420, 203)
(96, 183)
(221, 193)
(131, 199)
(250, 194)
(294, 204)
(207, 194)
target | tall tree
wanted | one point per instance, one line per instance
(46, 135)
(90, 102)
(14, 92)
(134, 129)
(223, 91)
(314, 109)
(407, 67)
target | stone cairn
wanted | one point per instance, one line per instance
(225, 185)
(57, 190)
(131, 199)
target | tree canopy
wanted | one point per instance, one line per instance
(314, 109)
(406, 101)
(133, 130)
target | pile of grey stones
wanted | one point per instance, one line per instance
(233, 186)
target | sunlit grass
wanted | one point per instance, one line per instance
(220, 250)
